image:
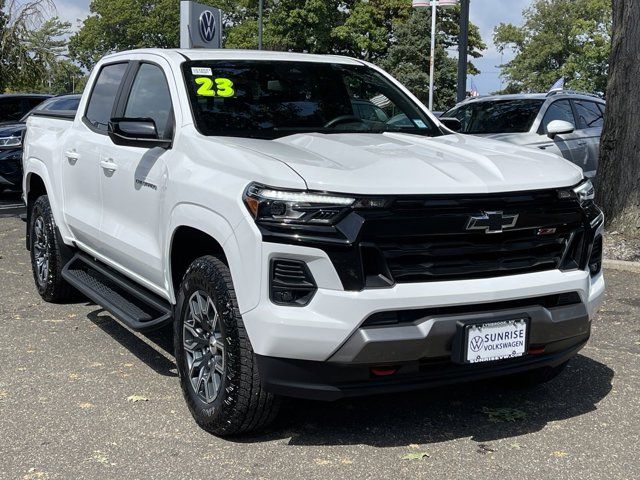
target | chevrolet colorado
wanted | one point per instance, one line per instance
(309, 229)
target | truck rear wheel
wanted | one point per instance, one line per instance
(47, 258)
(216, 364)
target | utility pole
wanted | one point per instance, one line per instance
(463, 46)
(432, 61)
(260, 11)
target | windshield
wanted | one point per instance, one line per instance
(498, 116)
(274, 99)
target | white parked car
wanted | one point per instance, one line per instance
(298, 248)
(562, 122)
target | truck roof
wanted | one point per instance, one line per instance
(179, 55)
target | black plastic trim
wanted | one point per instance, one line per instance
(159, 311)
(330, 381)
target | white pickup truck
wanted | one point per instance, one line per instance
(309, 228)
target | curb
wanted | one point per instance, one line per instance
(622, 265)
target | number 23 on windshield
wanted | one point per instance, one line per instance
(223, 87)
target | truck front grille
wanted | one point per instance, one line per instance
(472, 256)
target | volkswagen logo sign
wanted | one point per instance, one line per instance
(207, 25)
(476, 343)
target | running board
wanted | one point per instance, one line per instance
(130, 303)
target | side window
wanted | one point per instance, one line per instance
(150, 98)
(103, 95)
(34, 102)
(10, 109)
(559, 110)
(589, 115)
(63, 104)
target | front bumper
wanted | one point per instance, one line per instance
(318, 331)
(331, 381)
(11, 167)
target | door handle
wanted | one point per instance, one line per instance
(582, 144)
(72, 155)
(108, 165)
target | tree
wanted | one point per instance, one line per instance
(559, 38)
(618, 186)
(386, 32)
(116, 25)
(408, 56)
(17, 20)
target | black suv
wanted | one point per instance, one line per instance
(11, 137)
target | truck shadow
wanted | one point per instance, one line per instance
(155, 348)
(482, 411)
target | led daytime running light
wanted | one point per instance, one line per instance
(302, 197)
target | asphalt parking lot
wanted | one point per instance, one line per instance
(83, 397)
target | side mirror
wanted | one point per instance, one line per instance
(559, 127)
(136, 132)
(451, 123)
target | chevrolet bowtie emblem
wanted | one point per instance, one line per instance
(492, 222)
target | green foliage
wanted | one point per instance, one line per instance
(386, 32)
(559, 38)
(408, 56)
(117, 25)
(30, 47)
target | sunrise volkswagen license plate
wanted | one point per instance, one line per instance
(486, 342)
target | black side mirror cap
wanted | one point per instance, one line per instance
(136, 132)
(451, 123)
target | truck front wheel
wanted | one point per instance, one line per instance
(218, 373)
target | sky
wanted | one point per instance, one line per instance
(486, 14)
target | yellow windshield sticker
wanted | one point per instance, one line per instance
(223, 87)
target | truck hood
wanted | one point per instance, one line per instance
(396, 163)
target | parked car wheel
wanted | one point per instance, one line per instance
(47, 259)
(218, 374)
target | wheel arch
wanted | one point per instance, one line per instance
(195, 231)
(34, 187)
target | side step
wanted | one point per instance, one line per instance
(130, 303)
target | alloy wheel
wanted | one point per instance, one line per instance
(204, 347)
(41, 251)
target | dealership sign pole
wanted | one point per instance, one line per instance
(433, 4)
(200, 26)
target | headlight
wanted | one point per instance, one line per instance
(295, 206)
(10, 142)
(585, 191)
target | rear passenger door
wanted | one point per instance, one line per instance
(82, 153)
(133, 180)
(590, 120)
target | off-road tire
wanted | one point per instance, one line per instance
(53, 288)
(241, 405)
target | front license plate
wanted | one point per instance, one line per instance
(486, 342)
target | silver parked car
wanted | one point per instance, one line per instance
(564, 122)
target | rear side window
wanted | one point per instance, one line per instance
(150, 98)
(103, 95)
(559, 110)
(63, 104)
(10, 109)
(589, 115)
(34, 102)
